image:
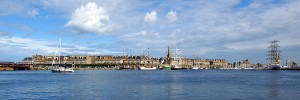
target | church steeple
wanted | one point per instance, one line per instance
(168, 56)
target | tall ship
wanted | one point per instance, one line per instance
(59, 67)
(274, 56)
(176, 65)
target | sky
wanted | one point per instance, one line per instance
(234, 30)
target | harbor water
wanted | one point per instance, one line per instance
(152, 85)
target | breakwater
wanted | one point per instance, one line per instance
(14, 66)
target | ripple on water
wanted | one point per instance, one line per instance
(187, 84)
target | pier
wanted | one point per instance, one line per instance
(14, 66)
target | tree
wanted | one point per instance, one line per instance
(294, 64)
(258, 65)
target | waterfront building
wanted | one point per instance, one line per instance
(246, 64)
(134, 60)
(27, 60)
(91, 59)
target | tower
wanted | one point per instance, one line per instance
(168, 56)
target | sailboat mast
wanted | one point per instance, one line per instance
(175, 54)
(55, 54)
(274, 56)
(59, 50)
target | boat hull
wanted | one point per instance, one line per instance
(61, 70)
(195, 68)
(166, 67)
(55, 71)
(275, 68)
(145, 68)
(178, 68)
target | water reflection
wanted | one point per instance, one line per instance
(274, 75)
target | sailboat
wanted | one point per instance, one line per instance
(147, 66)
(60, 67)
(274, 56)
(176, 65)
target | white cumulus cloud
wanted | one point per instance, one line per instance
(143, 32)
(172, 16)
(90, 18)
(33, 13)
(150, 17)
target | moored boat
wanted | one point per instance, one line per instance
(147, 68)
(275, 67)
(195, 68)
(166, 67)
(274, 56)
(60, 67)
(175, 67)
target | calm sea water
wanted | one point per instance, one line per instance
(159, 84)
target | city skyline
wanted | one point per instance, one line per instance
(234, 30)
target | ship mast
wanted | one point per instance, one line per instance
(59, 51)
(177, 53)
(274, 56)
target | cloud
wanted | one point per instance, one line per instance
(4, 33)
(33, 13)
(144, 32)
(15, 7)
(60, 7)
(255, 5)
(26, 43)
(150, 22)
(172, 16)
(150, 17)
(90, 18)
(11, 8)
(47, 47)
(27, 29)
(219, 29)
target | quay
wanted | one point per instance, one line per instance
(14, 66)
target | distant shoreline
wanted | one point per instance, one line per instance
(33, 69)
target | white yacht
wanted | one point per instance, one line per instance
(60, 67)
(147, 68)
(195, 67)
